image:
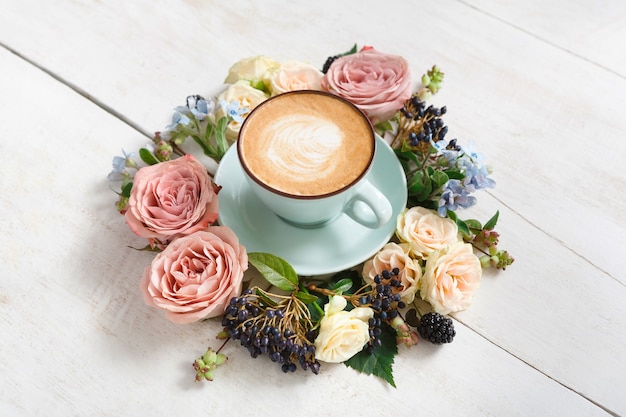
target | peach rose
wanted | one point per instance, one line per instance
(425, 230)
(170, 199)
(377, 83)
(451, 277)
(391, 256)
(342, 334)
(295, 75)
(196, 276)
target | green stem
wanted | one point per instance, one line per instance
(318, 308)
(177, 148)
(223, 344)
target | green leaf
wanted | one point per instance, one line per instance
(147, 157)
(416, 185)
(406, 156)
(343, 285)
(258, 84)
(409, 162)
(209, 131)
(220, 136)
(474, 225)
(207, 149)
(439, 178)
(491, 223)
(351, 51)
(455, 175)
(306, 298)
(380, 361)
(420, 186)
(383, 127)
(126, 190)
(275, 270)
(265, 299)
(463, 227)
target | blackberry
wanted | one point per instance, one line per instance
(329, 62)
(436, 328)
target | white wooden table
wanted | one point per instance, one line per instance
(539, 86)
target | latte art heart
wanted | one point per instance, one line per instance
(303, 147)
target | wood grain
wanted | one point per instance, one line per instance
(547, 337)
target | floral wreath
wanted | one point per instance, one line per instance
(430, 267)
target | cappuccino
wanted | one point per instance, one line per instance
(306, 144)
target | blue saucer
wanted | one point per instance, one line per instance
(331, 248)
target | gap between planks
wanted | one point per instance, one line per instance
(80, 92)
(530, 365)
(547, 42)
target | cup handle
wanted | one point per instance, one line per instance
(369, 207)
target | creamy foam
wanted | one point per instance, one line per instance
(303, 147)
(306, 143)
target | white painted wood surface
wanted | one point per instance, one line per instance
(546, 105)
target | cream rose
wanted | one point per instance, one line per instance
(247, 96)
(255, 70)
(425, 230)
(295, 75)
(196, 276)
(391, 256)
(451, 278)
(342, 334)
(377, 83)
(171, 199)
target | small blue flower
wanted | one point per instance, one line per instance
(476, 174)
(200, 107)
(234, 110)
(179, 118)
(120, 164)
(471, 151)
(454, 196)
(449, 154)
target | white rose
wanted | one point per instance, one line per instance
(425, 230)
(255, 70)
(295, 75)
(247, 96)
(391, 256)
(451, 278)
(342, 334)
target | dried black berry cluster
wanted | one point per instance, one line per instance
(423, 124)
(385, 300)
(329, 62)
(276, 331)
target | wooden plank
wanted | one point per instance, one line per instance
(78, 338)
(527, 104)
(553, 310)
(591, 29)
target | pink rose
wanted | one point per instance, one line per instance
(196, 276)
(451, 277)
(377, 83)
(171, 199)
